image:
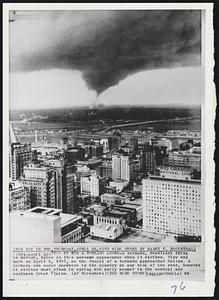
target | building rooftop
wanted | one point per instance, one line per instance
(45, 210)
(173, 168)
(131, 205)
(37, 166)
(15, 185)
(107, 227)
(95, 208)
(114, 212)
(184, 153)
(153, 177)
(109, 195)
(68, 218)
(34, 215)
(119, 181)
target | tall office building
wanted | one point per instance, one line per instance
(126, 168)
(58, 165)
(95, 186)
(41, 181)
(172, 203)
(68, 196)
(85, 185)
(122, 167)
(151, 157)
(19, 196)
(74, 154)
(93, 150)
(133, 142)
(115, 142)
(92, 185)
(64, 174)
(97, 150)
(20, 155)
(116, 167)
(105, 170)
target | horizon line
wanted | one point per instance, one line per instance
(99, 106)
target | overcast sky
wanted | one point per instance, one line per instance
(76, 58)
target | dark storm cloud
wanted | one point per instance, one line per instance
(108, 46)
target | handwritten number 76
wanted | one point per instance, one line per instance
(175, 287)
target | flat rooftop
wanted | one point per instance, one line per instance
(134, 202)
(131, 205)
(107, 227)
(34, 215)
(159, 178)
(114, 212)
(119, 181)
(134, 235)
(68, 218)
(45, 210)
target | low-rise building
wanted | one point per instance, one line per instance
(138, 208)
(106, 231)
(116, 215)
(119, 184)
(112, 199)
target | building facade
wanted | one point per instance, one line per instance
(20, 155)
(172, 204)
(185, 159)
(45, 225)
(116, 167)
(92, 185)
(74, 154)
(105, 170)
(106, 231)
(35, 226)
(115, 142)
(151, 157)
(68, 195)
(112, 199)
(41, 181)
(122, 167)
(72, 228)
(19, 196)
(94, 151)
(64, 175)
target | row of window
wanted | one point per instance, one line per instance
(106, 220)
